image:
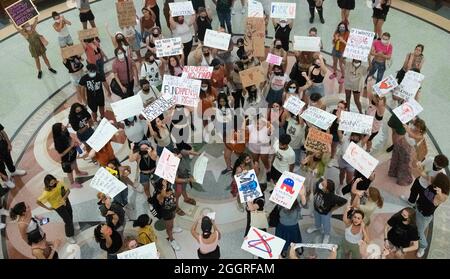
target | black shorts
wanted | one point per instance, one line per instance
(66, 167)
(346, 4)
(274, 174)
(87, 16)
(372, 136)
(95, 101)
(380, 14)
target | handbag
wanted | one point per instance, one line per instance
(258, 219)
(421, 150)
(274, 216)
(116, 89)
(43, 40)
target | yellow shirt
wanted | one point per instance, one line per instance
(53, 197)
(146, 235)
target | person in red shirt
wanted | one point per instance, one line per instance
(381, 51)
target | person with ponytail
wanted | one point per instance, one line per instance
(146, 234)
(208, 239)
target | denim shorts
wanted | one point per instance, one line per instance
(65, 41)
(145, 177)
(343, 165)
(336, 53)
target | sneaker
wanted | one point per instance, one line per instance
(405, 199)
(2, 226)
(10, 184)
(71, 240)
(52, 70)
(18, 173)
(322, 20)
(39, 74)
(326, 239)
(175, 245)
(4, 212)
(420, 252)
(332, 76)
(311, 229)
(390, 148)
(177, 229)
(311, 19)
(76, 185)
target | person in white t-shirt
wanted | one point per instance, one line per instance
(284, 159)
(151, 70)
(135, 129)
(148, 93)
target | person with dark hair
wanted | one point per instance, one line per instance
(203, 22)
(28, 225)
(284, 159)
(120, 172)
(380, 11)
(147, 22)
(148, 95)
(135, 129)
(153, 6)
(340, 38)
(95, 54)
(173, 66)
(255, 206)
(367, 201)
(184, 175)
(145, 155)
(381, 52)
(223, 124)
(161, 134)
(316, 74)
(208, 240)
(183, 29)
(86, 13)
(74, 65)
(334, 128)
(401, 234)
(283, 29)
(60, 26)
(151, 70)
(313, 5)
(355, 73)
(125, 74)
(81, 122)
(355, 232)
(67, 150)
(413, 61)
(109, 239)
(277, 80)
(288, 228)
(93, 83)
(223, 8)
(243, 163)
(218, 76)
(6, 160)
(400, 166)
(146, 234)
(57, 195)
(113, 212)
(42, 249)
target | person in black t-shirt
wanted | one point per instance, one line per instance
(6, 159)
(113, 212)
(283, 29)
(362, 184)
(203, 22)
(400, 233)
(109, 240)
(75, 66)
(81, 122)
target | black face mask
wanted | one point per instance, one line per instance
(403, 218)
(278, 73)
(206, 54)
(143, 153)
(146, 89)
(155, 35)
(355, 141)
(278, 47)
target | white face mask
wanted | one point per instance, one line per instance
(204, 88)
(121, 56)
(283, 24)
(28, 28)
(384, 42)
(292, 90)
(92, 75)
(356, 64)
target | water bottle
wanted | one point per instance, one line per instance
(79, 149)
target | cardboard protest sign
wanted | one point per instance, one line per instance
(219, 40)
(287, 189)
(199, 169)
(103, 133)
(318, 141)
(248, 186)
(255, 9)
(318, 117)
(69, 51)
(145, 252)
(360, 159)
(407, 111)
(385, 86)
(255, 35)
(197, 72)
(263, 244)
(127, 107)
(22, 12)
(126, 13)
(185, 91)
(167, 166)
(294, 104)
(306, 43)
(181, 8)
(356, 122)
(274, 59)
(168, 47)
(359, 44)
(87, 34)
(252, 76)
(107, 183)
(158, 107)
(282, 10)
(409, 86)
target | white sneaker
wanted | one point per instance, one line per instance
(326, 239)
(312, 229)
(4, 212)
(2, 226)
(177, 229)
(175, 245)
(18, 173)
(71, 240)
(405, 199)
(10, 184)
(420, 252)
(233, 12)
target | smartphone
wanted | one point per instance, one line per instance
(44, 221)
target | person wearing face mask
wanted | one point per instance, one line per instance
(355, 74)
(94, 54)
(401, 234)
(340, 38)
(413, 60)
(81, 122)
(161, 134)
(313, 5)
(128, 39)
(316, 74)
(148, 95)
(381, 52)
(402, 155)
(241, 48)
(93, 83)
(313, 33)
(35, 45)
(135, 129)
(218, 78)
(278, 50)
(181, 28)
(155, 34)
(346, 171)
(151, 70)
(124, 72)
(380, 11)
(153, 6)
(145, 155)
(60, 26)
(223, 8)
(208, 95)
(283, 29)
(355, 232)
(75, 66)
(277, 82)
(299, 71)
(86, 14)
(235, 84)
(203, 22)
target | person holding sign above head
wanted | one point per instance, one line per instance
(381, 52)
(208, 240)
(313, 5)
(340, 38)
(355, 232)
(183, 29)
(283, 29)
(127, 40)
(60, 26)
(153, 6)
(85, 13)
(355, 74)
(203, 22)
(367, 201)
(36, 45)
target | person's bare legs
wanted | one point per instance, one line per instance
(77, 170)
(374, 20)
(334, 146)
(102, 111)
(341, 66)
(356, 97)
(92, 23)
(84, 24)
(70, 176)
(44, 56)
(341, 176)
(169, 228)
(335, 60)
(81, 97)
(349, 176)
(380, 23)
(227, 157)
(265, 161)
(348, 97)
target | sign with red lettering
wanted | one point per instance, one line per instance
(197, 72)
(184, 91)
(287, 189)
(385, 86)
(360, 159)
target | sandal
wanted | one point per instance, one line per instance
(190, 201)
(180, 212)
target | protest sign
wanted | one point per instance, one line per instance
(219, 40)
(318, 117)
(274, 59)
(185, 91)
(359, 44)
(199, 169)
(255, 35)
(168, 47)
(211, 215)
(248, 186)
(407, 111)
(107, 183)
(146, 252)
(360, 159)
(126, 13)
(69, 51)
(263, 244)
(385, 86)
(181, 9)
(22, 12)
(316, 246)
(255, 9)
(167, 166)
(103, 133)
(252, 76)
(287, 189)
(356, 123)
(282, 10)
(318, 141)
(306, 43)
(127, 107)
(409, 86)
(158, 107)
(197, 72)
(294, 104)
(87, 34)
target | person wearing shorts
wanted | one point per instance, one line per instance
(60, 26)
(75, 67)
(380, 11)
(346, 6)
(346, 171)
(184, 175)
(85, 13)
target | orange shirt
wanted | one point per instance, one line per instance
(217, 78)
(338, 45)
(105, 155)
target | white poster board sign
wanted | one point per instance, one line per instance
(316, 246)
(318, 117)
(168, 47)
(145, 252)
(219, 40)
(167, 166)
(360, 159)
(185, 91)
(287, 189)
(283, 10)
(158, 107)
(255, 9)
(274, 59)
(356, 122)
(409, 86)
(181, 9)
(107, 183)
(294, 104)
(127, 107)
(104, 132)
(197, 72)
(306, 43)
(199, 169)
(407, 111)
(359, 44)
(263, 244)
(385, 86)
(248, 186)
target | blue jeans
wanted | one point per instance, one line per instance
(323, 222)
(298, 156)
(422, 223)
(379, 68)
(225, 18)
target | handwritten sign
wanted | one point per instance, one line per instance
(294, 104)
(252, 76)
(219, 40)
(185, 91)
(145, 252)
(158, 107)
(274, 59)
(318, 141)
(409, 86)
(360, 159)
(168, 47)
(356, 122)
(107, 183)
(263, 244)
(87, 34)
(318, 117)
(167, 166)
(197, 72)
(385, 86)
(287, 189)
(128, 107)
(407, 111)
(255, 9)
(316, 246)
(126, 13)
(282, 10)
(181, 8)
(359, 44)
(248, 186)
(104, 132)
(306, 43)
(200, 168)
(69, 51)
(255, 35)
(21, 12)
